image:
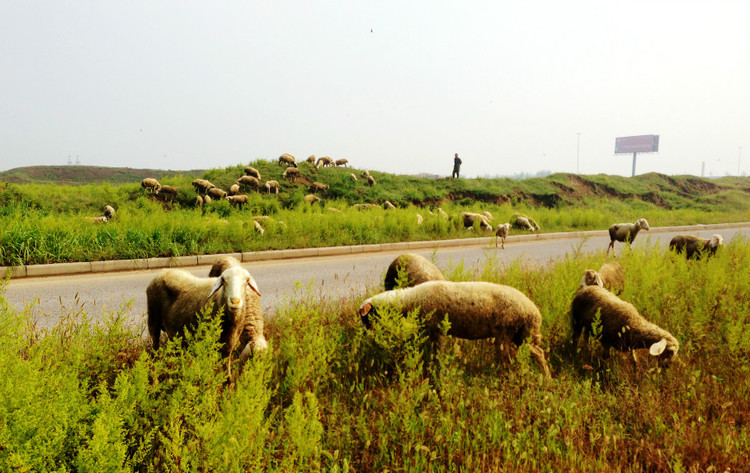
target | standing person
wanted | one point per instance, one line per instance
(456, 166)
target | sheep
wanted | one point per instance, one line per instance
(207, 199)
(353, 177)
(109, 212)
(696, 247)
(488, 215)
(287, 159)
(248, 181)
(199, 201)
(469, 218)
(420, 219)
(216, 193)
(272, 185)
(174, 298)
(311, 198)
(96, 220)
(333, 209)
(318, 186)
(311, 159)
(610, 275)
(370, 180)
(251, 171)
(625, 232)
(237, 200)
(365, 173)
(475, 310)
(202, 185)
(342, 162)
(364, 206)
(442, 213)
(259, 228)
(234, 189)
(324, 161)
(168, 192)
(221, 264)
(150, 184)
(291, 173)
(524, 223)
(501, 233)
(415, 267)
(622, 327)
(388, 205)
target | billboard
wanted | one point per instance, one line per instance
(637, 144)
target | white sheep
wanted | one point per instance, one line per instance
(388, 205)
(522, 222)
(291, 173)
(442, 213)
(202, 185)
(610, 276)
(234, 189)
(625, 232)
(216, 193)
(311, 198)
(259, 228)
(475, 310)
(353, 177)
(318, 187)
(272, 185)
(468, 219)
(365, 173)
(150, 184)
(415, 267)
(696, 247)
(251, 171)
(324, 161)
(175, 297)
(237, 200)
(311, 159)
(342, 162)
(622, 327)
(370, 180)
(288, 160)
(97, 220)
(502, 233)
(420, 219)
(109, 212)
(248, 181)
(198, 201)
(168, 193)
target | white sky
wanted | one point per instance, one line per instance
(390, 85)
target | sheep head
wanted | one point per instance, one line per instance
(665, 349)
(235, 280)
(642, 224)
(716, 241)
(591, 278)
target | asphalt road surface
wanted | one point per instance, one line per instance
(100, 294)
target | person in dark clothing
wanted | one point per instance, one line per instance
(456, 166)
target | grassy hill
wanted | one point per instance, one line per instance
(78, 175)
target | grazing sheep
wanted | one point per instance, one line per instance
(216, 193)
(221, 265)
(237, 200)
(488, 215)
(696, 247)
(311, 198)
(150, 184)
(469, 218)
(475, 310)
(625, 232)
(291, 173)
(352, 177)
(109, 212)
(234, 189)
(259, 228)
(167, 192)
(420, 219)
(342, 162)
(501, 233)
(311, 159)
(417, 269)
(174, 297)
(333, 209)
(324, 161)
(318, 187)
(365, 173)
(202, 185)
(207, 199)
(251, 171)
(198, 201)
(388, 205)
(525, 223)
(288, 160)
(248, 181)
(96, 220)
(370, 180)
(442, 213)
(272, 185)
(622, 327)
(610, 276)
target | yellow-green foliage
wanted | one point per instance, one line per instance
(331, 396)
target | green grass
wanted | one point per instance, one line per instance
(330, 396)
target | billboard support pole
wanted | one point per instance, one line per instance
(634, 155)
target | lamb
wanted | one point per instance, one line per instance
(311, 198)
(475, 310)
(610, 276)
(324, 161)
(415, 267)
(237, 200)
(318, 186)
(150, 184)
(291, 173)
(216, 193)
(469, 218)
(695, 247)
(248, 181)
(501, 233)
(272, 185)
(622, 327)
(288, 160)
(370, 180)
(168, 192)
(342, 162)
(625, 232)
(109, 212)
(251, 171)
(202, 185)
(174, 298)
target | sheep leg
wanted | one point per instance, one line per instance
(538, 354)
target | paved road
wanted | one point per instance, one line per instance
(103, 293)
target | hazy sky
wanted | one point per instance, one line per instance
(390, 85)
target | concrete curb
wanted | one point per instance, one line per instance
(60, 269)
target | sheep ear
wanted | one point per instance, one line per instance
(253, 285)
(365, 309)
(658, 347)
(219, 282)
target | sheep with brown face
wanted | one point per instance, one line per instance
(696, 247)
(415, 267)
(475, 310)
